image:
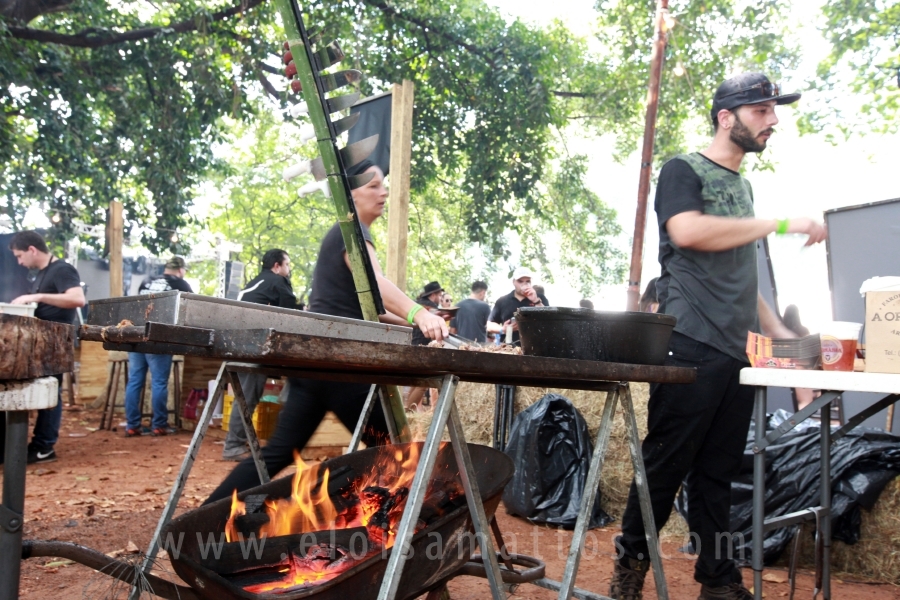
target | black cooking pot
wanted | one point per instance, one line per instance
(586, 334)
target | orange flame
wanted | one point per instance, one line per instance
(309, 507)
(238, 508)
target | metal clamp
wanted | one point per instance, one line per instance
(10, 520)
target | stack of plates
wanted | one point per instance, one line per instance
(805, 351)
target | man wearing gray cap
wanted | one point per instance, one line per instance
(159, 365)
(707, 253)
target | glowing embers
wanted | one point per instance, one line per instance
(330, 522)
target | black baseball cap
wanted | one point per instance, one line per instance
(748, 88)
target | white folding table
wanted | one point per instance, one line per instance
(832, 384)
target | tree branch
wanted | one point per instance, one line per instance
(97, 39)
(425, 25)
(267, 85)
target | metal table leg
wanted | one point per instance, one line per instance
(16, 399)
(640, 479)
(364, 419)
(13, 507)
(567, 586)
(186, 466)
(442, 411)
(759, 488)
(247, 420)
(476, 507)
(825, 502)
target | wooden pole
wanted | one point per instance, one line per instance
(398, 203)
(116, 239)
(640, 218)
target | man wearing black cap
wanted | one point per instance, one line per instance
(159, 365)
(707, 252)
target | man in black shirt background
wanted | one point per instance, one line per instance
(271, 287)
(56, 288)
(471, 319)
(159, 364)
(523, 294)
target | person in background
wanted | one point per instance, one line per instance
(649, 303)
(523, 295)
(708, 257)
(446, 301)
(159, 365)
(429, 297)
(271, 287)
(539, 290)
(585, 303)
(56, 289)
(471, 317)
(334, 293)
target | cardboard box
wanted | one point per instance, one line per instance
(883, 332)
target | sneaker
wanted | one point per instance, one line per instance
(37, 457)
(733, 591)
(628, 579)
(238, 456)
(161, 431)
(137, 432)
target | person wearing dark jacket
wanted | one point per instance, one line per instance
(271, 287)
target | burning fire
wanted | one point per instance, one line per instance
(374, 500)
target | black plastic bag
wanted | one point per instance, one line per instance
(862, 463)
(551, 448)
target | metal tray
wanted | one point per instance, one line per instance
(194, 310)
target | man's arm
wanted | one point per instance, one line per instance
(710, 233)
(770, 322)
(71, 298)
(494, 324)
(286, 297)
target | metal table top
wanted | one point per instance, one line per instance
(325, 357)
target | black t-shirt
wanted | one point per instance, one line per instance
(271, 289)
(56, 278)
(333, 291)
(471, 319)
(164, 283)
(713, 295)
(506, 306)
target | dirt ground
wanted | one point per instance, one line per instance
(107, 492)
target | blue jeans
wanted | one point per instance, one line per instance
(46, 426)
(160, 365)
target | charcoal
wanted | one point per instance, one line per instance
(278, 549)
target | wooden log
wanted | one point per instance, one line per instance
(31, 348)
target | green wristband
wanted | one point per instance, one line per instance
(412, 313)
(782, 226)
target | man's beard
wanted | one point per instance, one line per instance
(744, 139)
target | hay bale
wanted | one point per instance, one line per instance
(476, 409)
(877, 554)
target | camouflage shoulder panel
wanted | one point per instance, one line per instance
(725, 193)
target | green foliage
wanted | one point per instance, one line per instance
(710, 40)
(130, 121)
(257, 209)
(862, 72)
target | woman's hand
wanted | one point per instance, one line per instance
(433, 326)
